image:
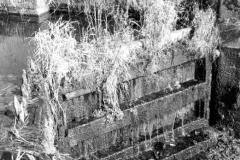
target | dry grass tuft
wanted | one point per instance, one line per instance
(160, 19)
(99, 62)
(104, 56)
(206, 36)
(87, 5)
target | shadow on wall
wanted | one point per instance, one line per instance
(226, 69)
(6, 156)
(225, 100)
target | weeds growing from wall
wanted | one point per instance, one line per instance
(206, 35)
(107, 54)
(99, 62)
(159, 22)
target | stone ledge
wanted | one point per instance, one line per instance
(21, 11)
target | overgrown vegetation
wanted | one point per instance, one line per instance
(226, 148)
(108, 52)
(206, 35)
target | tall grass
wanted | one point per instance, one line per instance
(88, 5)
(159, 22)
(99, 61)
(206, 35)
(104, 56)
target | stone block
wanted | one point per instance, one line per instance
(24, 7)
(229, 9)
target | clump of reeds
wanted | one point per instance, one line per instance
(27, 141)
(159, 22)
(100, 61)
(87, 5)
(206, 34)
(21, 140)
(102, 58)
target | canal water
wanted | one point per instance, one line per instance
(16, 46)
(15, 36)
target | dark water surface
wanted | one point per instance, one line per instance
(16, 46)
(15, 34)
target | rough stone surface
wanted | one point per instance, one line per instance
(230, 34)
(226, 82)
(229, 9)
(226, 88)
(226, 70)
(24, 7)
